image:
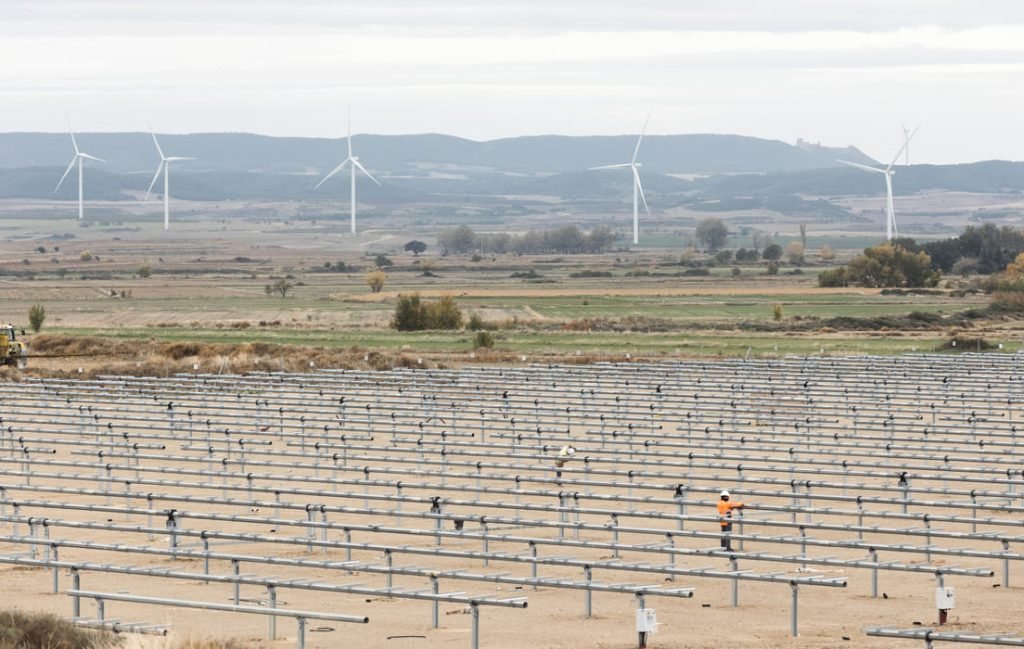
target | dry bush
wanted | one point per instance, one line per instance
(19, 630)
(180, 350)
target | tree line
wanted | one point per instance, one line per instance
(567, 239)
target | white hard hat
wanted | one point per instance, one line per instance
(725, 493)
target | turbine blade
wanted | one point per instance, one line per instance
(639, 185)
(906, 143)
(860, 166)
(636, 151)
(159, 168)
(158, 149)
(363, 169)
(90, 157)
(177, 158)
(619, 166)
(74, 143)
(334, 171)
(350, 130)
(70, 167)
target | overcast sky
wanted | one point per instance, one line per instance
(832, 70)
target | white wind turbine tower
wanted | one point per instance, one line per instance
(890, 217)
(79, 157)
(355, 164)
(165, 167)
(638, 190)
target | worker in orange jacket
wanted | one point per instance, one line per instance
(725, 507)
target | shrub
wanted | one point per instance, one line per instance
(413, 314)
(86, 255)
(483, 339)
(773, 268)
(776, 312)
(145, 271)
(36, 317)
(833, 278)
(736, 272)
(590, 273)
(31, 630)
(476, 323)
(444, 314)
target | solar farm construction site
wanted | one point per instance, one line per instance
(532, 506)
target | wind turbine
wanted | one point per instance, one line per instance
(164, 166)
(638, 190)
(355, 164)
(890, 217)
(79, 157)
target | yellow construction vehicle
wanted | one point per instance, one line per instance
(12, 351)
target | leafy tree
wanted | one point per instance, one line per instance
(382, 261)
(825, 253)
(415, 247)
(281, 287)
(145, 271)
(36, 317)
(744, 255)
(375, 280)
(1015, 269)
(795, 252)
(967, 265)
(457, 240)
(723, 257)
(712, 233)
(409, 314)
(772, 252)
(803, 235)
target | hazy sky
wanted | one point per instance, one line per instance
(832, 70)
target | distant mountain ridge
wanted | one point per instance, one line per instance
(418, 154)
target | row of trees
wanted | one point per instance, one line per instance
(983, 249)
(886, 265)
(568, 239)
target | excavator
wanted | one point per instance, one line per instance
(13, 352)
